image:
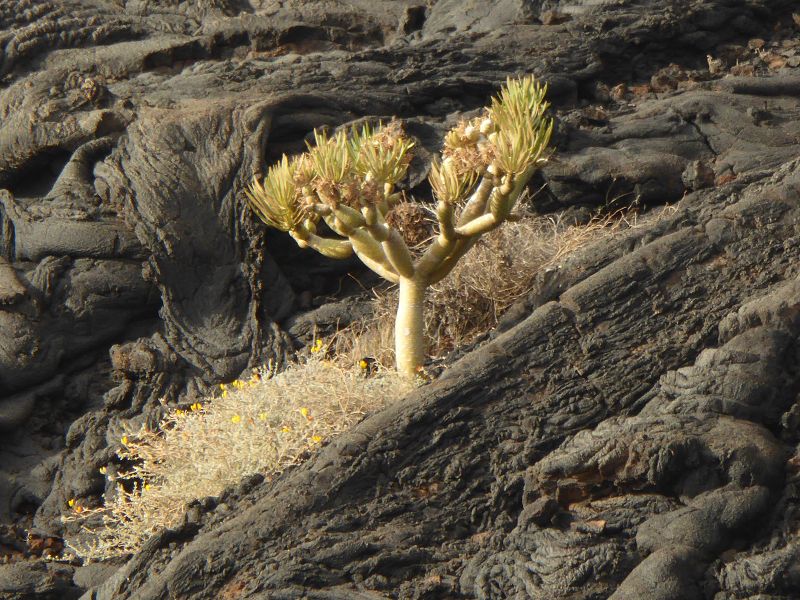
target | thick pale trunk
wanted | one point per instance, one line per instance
(409, 327)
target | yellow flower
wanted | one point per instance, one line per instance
(71, 502)
(223, 386)
(147, 486)
(316, 439)
(286, 429)
(363, 364)
(125, 439)
(236, 419)
(238, 384)
(196, 406)
(79, 509)
(304, 412)
(317, 347)
(262, 416)
(180, 413)
(103, 470)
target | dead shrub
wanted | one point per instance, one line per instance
(262, 425)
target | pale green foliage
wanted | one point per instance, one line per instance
(447, 184)
(380, 157)
(275, 200)
(521, 128)
(330, 157)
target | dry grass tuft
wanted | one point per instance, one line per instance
(372, 339)
(262, 425)
(499, 270)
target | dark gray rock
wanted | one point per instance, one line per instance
(37, 581)
(93, 574)
(631, 430)
(664, 575)
(326, 320)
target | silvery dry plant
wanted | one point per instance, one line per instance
(349, 183)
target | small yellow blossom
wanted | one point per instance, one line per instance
(180, 413)
(262, 416)
(363, 364)
(318, 346)
(147, 486)
(223, 386)
(286, 429)
(236, 419)
(224, 393)
(238, 384)
(79, 509)
(196, 406)
(316, 439)
(71, 502)
(103, 470)
(304, 412)
(125, 440)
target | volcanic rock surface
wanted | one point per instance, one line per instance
(629, 432)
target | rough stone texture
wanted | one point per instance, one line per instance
(631, 429)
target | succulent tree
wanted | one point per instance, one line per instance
(349, 182)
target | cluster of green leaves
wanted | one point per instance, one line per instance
(275, 199)
(522, 131)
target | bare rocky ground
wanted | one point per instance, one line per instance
(630, 432)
